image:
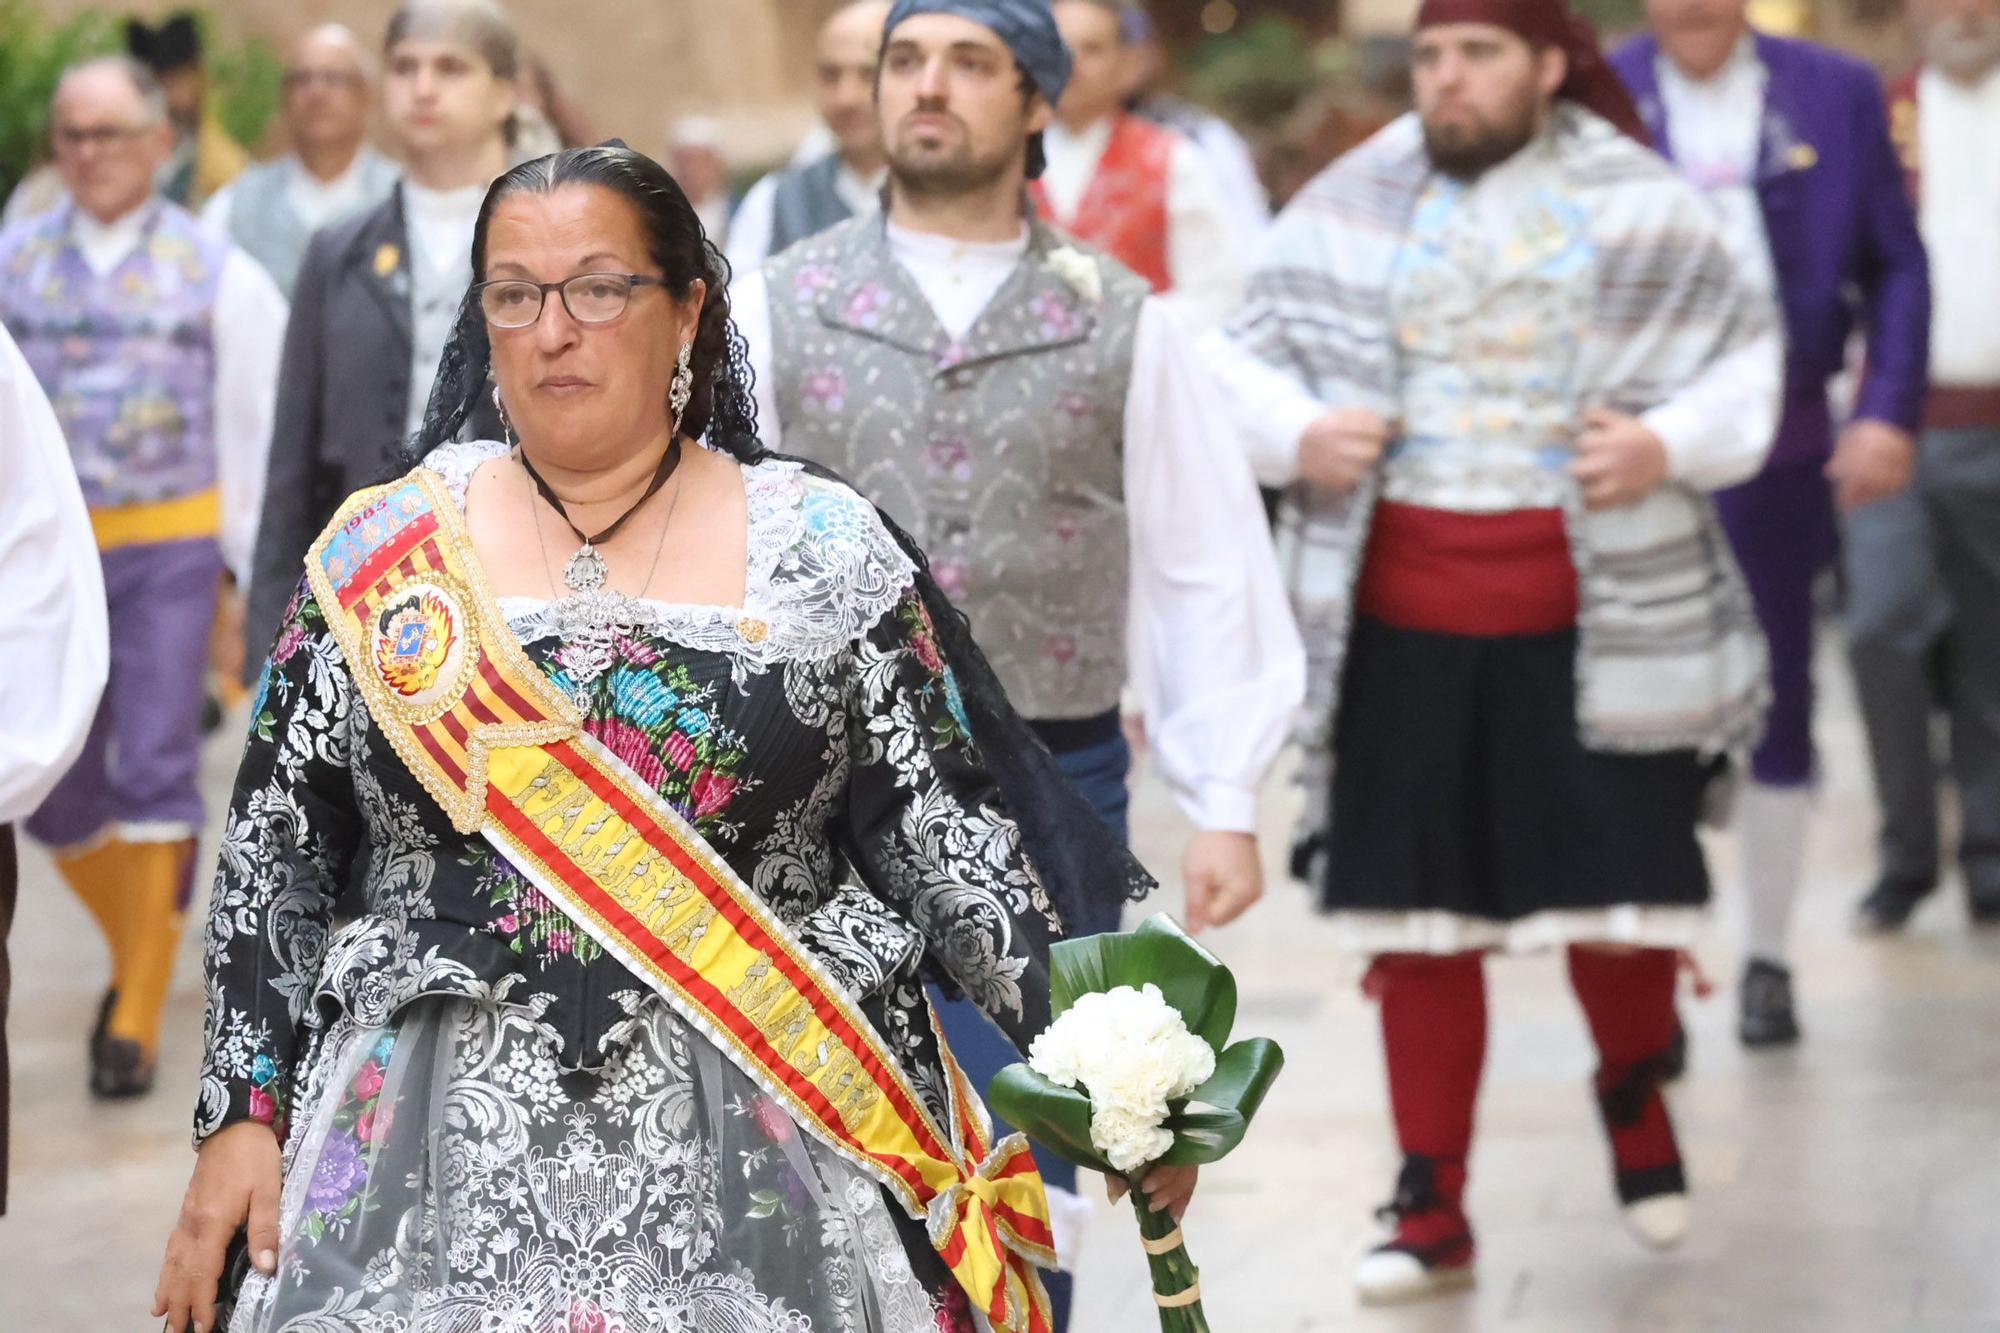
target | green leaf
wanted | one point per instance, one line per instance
(1216, 1115)
(766, 1201)
(1052, 1115)
(1192, 979)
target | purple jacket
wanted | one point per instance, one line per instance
(1843, 236)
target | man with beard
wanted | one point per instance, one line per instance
(1788, 139)
(1044, 428)
(1923, 568)
(1500, 353)
(788, 206)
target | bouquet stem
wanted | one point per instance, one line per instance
(1176, 1281)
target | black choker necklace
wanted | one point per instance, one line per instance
(585, 571)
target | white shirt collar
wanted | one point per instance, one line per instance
(442, 205)
(105, 245)
(348, 179)
(861, 194)
(1073, 159)
(930, 247)
(958, 278)
(1090, 142)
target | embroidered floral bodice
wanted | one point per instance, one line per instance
(812, 731)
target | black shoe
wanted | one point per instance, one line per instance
(1766, 998)
(1888, 906)
(103, 1023)
(120, 1068)
(1673, 1061)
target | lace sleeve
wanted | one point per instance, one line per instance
(291, 834)
(928, 830)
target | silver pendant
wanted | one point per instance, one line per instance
(585, 572)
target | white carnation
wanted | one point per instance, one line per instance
(1128, 1141)
(1132, 1052)
(1080, 271)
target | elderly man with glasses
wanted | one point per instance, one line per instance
(156, 342)
(273, 208)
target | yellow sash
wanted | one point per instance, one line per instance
(501, 749)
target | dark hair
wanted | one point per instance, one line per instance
(720, 408)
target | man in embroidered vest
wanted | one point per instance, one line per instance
(788, 206)
(1540, 649)
(1923, 568)
(378, 291)
(156, 342)
(273, 208)
(1130, 187)
(1788, 139)
(1042, 426)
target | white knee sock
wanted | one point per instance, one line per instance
(1771, 823)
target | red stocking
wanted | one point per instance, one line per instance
(1628, 998)
(1434, 1037)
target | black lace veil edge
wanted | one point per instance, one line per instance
(1080, 862)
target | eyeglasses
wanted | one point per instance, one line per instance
(74, 139)
(590, 298)
(298, 79)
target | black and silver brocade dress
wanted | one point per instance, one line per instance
(490, 1124)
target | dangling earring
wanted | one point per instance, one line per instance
(683, 386)
(506, 426)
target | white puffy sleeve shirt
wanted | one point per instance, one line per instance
(53, 639)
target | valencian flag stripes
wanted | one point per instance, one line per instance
(501, 749)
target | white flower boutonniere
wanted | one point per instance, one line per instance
(1080, 271)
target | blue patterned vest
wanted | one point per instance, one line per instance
(127, 359)
(1001, 453)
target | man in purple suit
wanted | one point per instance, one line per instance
(1791, 144)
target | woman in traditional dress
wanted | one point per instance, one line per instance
(549, 1081)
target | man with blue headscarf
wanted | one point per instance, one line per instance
(1044, 427)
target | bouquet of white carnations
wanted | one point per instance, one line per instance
(1135, 1071)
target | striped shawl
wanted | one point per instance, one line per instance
(1669, 655)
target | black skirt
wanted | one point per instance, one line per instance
(1460, 786)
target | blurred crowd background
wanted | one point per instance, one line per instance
(1300, 80)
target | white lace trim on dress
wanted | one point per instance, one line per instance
(821, 570)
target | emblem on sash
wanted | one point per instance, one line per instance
(420, 646)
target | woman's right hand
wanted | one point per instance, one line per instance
(236, 1177)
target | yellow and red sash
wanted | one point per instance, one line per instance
(502, 750)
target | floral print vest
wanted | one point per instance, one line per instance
(127, 359)
(1002, 453)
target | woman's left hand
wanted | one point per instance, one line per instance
(1168, 1189)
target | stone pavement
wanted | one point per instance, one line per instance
(1852, 1186)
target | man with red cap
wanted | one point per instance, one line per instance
(1500, 356)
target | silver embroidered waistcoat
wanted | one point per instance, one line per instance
(1001, 452)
